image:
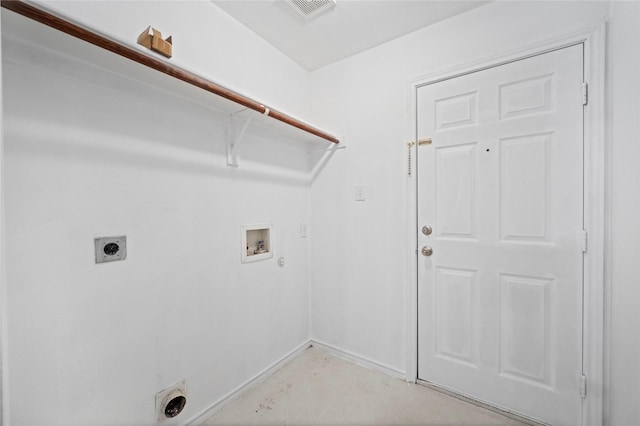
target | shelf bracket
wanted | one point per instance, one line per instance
(324, 160)
(237, 128)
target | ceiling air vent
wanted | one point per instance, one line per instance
(311, 8)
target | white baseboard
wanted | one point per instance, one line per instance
(264, 374)
(359, 360)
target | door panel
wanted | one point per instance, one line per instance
(500, 298)
(455, 209)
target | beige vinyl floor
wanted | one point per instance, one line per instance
(318, 388)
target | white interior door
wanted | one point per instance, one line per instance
(501, 186)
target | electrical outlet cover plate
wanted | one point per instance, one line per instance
(109, 249)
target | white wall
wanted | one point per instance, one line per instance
(358, 288)
(206, 41)
(87, 157)
(623, 268)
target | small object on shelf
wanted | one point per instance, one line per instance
(152, 39)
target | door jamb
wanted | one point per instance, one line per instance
(595, 151)
(4, 372)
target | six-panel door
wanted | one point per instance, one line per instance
(501, 185)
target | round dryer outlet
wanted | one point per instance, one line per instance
(171, 401)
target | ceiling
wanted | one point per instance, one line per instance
(352, 26)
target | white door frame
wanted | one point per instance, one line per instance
(593, 39)
(4, 372)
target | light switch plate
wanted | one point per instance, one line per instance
(109, 249)
(361, 193)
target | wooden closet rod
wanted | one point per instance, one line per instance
(31, 12)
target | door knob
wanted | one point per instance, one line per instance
(427, 251)
(427, 230)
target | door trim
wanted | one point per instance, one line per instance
(4, 372)
(595, 152)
